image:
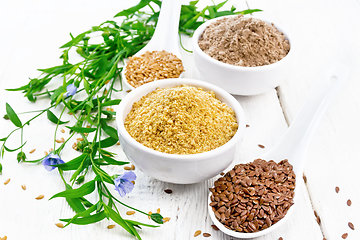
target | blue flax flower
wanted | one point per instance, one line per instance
(71, 90)
(51, 159)
(123, 183)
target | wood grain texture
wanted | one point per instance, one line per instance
(324, 31)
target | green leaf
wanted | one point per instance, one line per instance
(111, 102)
(1, 168)
(85, 189)
(87, 219)
(51, 116)
(82, 129)
(81, 214)
(74, 163)
(13, 117)
(141, 224)
(74, 203)
(108, 142)
(112, 132)
(118, 219)
(156, 217)
(112, 161)
(76, 40)
(132, 10)
(13, 150)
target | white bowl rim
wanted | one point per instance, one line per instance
(235, 105)
(201, 28)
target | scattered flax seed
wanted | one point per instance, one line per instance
(62, 139)
(128, 91)
(62, 130)
(130, 212)
(280, 238)
(3, 238)
(107, 81)
(348, 202)
(32, 150)
(80, 139)
(23, 187)
(337, 189)
(58, 140)
(261, 146)
(132, 167)
(51, 149)
(105, 92)
(150, 212)
(133, 182)
(85, 134)
(351, 225)
(74, 146)
(166, 219)
(158, 210)
(318, 220)
(46, 153)
(127, 168)
(206, 234)
(247, 125)
(118, 143)
(39, 197)
(111, 226)
(315, 213)
(215, 227)
(168, 191)
(7, 181)
(222, 173)
(59, 225)
(305, 178)
(344, 236)
(197, 233)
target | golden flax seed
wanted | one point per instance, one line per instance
(23, 187)
(152, 66)
(150, 212)
(33, 150)
(166, 219)
(127, 168)
(39, 197)
(158, 210)
(111, 226)
(181, 120)
(62, 130)
(59, 225)
(58, 140)
(197, 233)
(130, 212)
(7, 181)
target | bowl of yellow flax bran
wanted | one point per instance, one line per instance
(180, 130)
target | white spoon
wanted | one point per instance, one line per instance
(166, 36)
(295, 142)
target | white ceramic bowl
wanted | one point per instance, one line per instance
(173, 168)
(237, 79)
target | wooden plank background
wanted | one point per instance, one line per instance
(324, 31)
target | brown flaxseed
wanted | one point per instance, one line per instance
(168, 191)
(110, 226)
(197, 233)
(59, 225)
(23, 187)
(7, 181)
(33, 150)
(62, 130)
(351, 225)
(348, 202)
(127, 168)
(152, 66)
(305, 178)
(281, 238)
(261, 146)
(206, 234)
(337, 189)
(181, 120)
(215, 227)
(130, 212)
(58, 141)
(344, 236)
(253, 196)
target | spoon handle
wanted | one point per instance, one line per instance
(166, 35)
(296, 140)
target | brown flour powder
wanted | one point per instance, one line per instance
(241, 41)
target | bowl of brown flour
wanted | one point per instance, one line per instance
(243, 55)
